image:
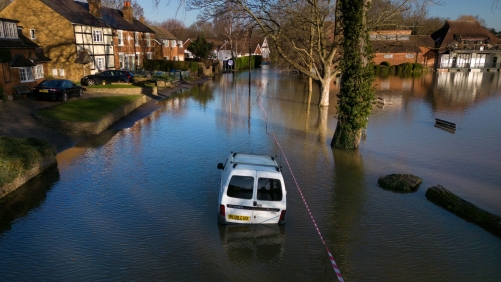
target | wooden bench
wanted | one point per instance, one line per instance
(22, 89)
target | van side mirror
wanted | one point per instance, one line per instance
(220, 166)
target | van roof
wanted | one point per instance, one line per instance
(264, 162)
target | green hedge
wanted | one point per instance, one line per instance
(243, 62)
(19, 155)
(163, 65)
(405, 69)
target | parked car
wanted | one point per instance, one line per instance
(108, 77)
(57, 89)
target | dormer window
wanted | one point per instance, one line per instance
(10, 30)
(32, 34)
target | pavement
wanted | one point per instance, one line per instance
(16, 118)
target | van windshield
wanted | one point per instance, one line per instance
(269, 189)
(241, 187)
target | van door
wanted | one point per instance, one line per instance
(238, 200)
(269, 198)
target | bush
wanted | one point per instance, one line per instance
(385, 63)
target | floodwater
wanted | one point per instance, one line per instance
(140, 203)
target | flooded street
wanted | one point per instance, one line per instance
(140, 203)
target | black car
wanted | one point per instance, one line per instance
(108, 76)
(57, 89)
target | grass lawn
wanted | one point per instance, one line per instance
(87, 110)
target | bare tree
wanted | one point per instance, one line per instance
(177, 28)
(137, 10)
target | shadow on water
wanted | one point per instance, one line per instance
(245, 244)
(26, 198)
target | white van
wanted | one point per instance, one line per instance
(252, 190)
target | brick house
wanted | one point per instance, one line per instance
(399, 46)
(167, 46)
(466, 45)
(22, 61)
(83, 38)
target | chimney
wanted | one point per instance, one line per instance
(95, 8)
(127, 11)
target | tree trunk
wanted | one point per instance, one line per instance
(346, 139)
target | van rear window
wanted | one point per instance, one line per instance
(269, 189)
(241, 187)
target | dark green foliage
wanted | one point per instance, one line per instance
(163, 65)
(19, 155)
(406, 69)
(385, 63)
(357, 92)
(201, 48)
(243, 62)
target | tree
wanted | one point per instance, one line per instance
(357, 90)
(201, 48)
(177, 28)
(137, 10)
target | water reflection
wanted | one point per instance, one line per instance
(26, 198)
(248, 244)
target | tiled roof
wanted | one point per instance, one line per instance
(464, 29)
(115, 19)
(395, 46)
(75, 12)
(21, 42)
(162, 33)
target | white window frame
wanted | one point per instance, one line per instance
(120, 36)
(61, 72)
(409, 56)
(54, 72)
(97, 35)
(148, 42)
(138, 59)
(38, 71)
(136, 38)
(26, 74)
(2, 34)
(121, 60)
(10, 30)
(32, 34)
(149, 55)
(99, 63)
(173, 43)
(180, 43)
(388, 56)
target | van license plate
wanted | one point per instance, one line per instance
(239, 217)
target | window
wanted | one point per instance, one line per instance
(54, 72)
(180, 43)
(166, 42)
(136, 38)
(269, 189)
(241, 187)
(409, 56)
(32, 34)
(38, 71)
(148, 43)
(26, 74)
(388, 56)
(138, 57)
(1, 31)
(120, 36)
(166, 58)
(176, 58)
(121, 60)
(10, 30)
(173, 43)
(61, 72)
(97, 35)
(149, 55)
(99, 62)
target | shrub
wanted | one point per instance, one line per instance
(385, 63)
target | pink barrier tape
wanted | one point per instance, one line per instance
(331, 258)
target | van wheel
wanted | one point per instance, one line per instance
(221, 220)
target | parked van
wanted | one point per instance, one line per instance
(252, 190)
